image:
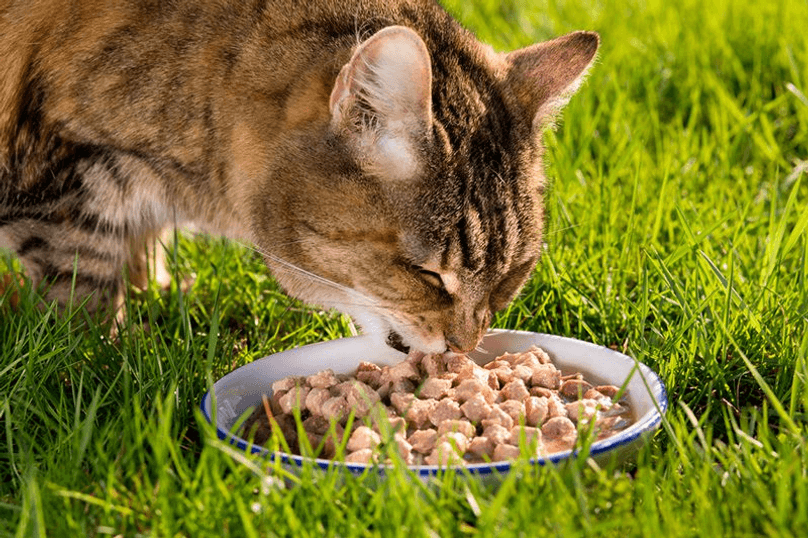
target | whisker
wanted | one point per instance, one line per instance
(300, 272)
(480, 349)
(361, 299)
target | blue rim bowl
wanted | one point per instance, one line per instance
(243, 388)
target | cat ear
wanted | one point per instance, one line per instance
(382, 100)
(544, 76)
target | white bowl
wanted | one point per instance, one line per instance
(242, 389)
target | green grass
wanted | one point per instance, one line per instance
(676, 231)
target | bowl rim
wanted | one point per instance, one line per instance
(643, 426)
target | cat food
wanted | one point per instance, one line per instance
(441, 409)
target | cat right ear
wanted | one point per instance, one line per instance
(544, 76)
(382, 101)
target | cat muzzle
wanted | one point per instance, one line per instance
(395, 341)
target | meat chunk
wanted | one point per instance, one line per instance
(435, 388)
(556, 408)
(515, 390)
(423, 441)
(363, 437)
(444, 454)
(610, 391)
(370, 374)
(360, 397)
(497, 433)
(574, 389)
(481, 447)
(362, 456)
(499, 417)
(295, 398)
(476, 408)
(523, 372)
(558, 427)
(547, 376)
(404, 447)
(335, 408)
(402, 402)
(461, 426)
(504, 374)
(470, 388)
(505, 451)
(402, 370)
(525, 435)
(433, 365)
(515, 409)
(540, 354)
(321, 435)
(582, 410)
(285, 384)
(315, 400)
(446, 409)
(535, 411)
(459, 441)
(558, 434)
(322, 380)
(461, 366)
(417, 412)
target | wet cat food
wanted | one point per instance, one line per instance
(441, 409)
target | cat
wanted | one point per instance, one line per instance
(383, 161)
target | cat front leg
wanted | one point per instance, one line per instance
(70, 264)
(147, 260)
(74, 229)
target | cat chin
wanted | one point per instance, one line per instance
(396, 337)
(411, 343)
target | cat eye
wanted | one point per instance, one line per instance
(431, 277)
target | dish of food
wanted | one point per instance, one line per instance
(243, 391)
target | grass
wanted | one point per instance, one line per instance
(676, 231)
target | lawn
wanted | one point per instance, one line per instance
(676, 232)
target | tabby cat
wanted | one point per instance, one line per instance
(382, 160)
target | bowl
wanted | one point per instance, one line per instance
(242, 390)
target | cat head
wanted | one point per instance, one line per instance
(429, 219)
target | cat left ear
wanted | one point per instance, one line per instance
(382, 100)
(544, 76)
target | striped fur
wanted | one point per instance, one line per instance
(411, 202)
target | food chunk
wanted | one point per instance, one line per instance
(515, 390)
(370, 374)
(476, 408)
(363, 437)
(363, 455)
(574, 389)
(460, 426)
(546, 376)
(322, 380)
(294, 399)
(536, 409)
(482, 447)
(435, 388)
(506, 452)
(446, 409)
(423, 441)
(360, 397)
